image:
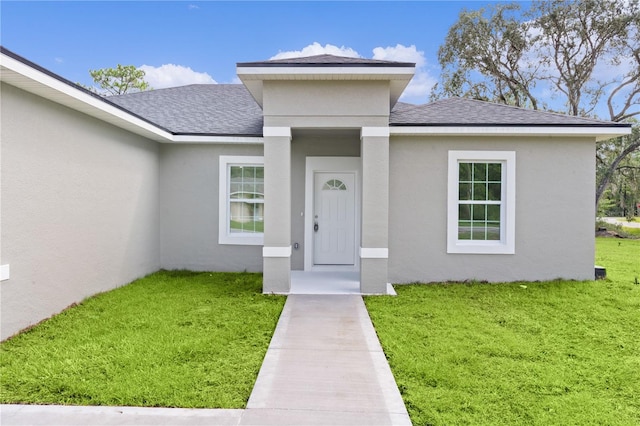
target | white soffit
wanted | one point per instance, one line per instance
(598, 132)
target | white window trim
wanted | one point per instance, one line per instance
(506, 245)
(224, 236)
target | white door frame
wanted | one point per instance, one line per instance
(329, 164)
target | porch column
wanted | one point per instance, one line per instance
(276, 253)
(374, 235)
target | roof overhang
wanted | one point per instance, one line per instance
(597, 132)
(33, 79)
(56, 89)
(254, 76)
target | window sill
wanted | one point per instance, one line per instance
(479, 248)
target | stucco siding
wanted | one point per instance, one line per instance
(189, 185)
(79, 208)
(554, 236)
(329, 104)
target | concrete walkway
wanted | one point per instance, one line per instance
(621, 222)
(324, 366)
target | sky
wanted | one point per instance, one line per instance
(185, 42)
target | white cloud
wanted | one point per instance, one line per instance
(422, 82)
(170, 75)
(400, 53)
(419, 88)
(193, 6)
(59, 60)
(317, 49)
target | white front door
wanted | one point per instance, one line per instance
(334, 218)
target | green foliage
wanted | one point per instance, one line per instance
(120, 80)
(622, 194)
(499, 54)
(171, 339)
(558, 352)
(491, 42)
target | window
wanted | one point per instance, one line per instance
(241, 200)
(481, 206)
(334, 185)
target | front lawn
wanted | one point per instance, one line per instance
(172, 339)
(557, 352)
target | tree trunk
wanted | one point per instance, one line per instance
(612, 168)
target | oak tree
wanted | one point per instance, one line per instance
(583, 55)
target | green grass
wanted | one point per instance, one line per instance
(547, 353)
(172, 339)
(250, 226)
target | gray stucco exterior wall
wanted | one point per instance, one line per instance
(554, 211)
(79, 208)
(189, 185)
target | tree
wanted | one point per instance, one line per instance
(120, 80)
(586, 52)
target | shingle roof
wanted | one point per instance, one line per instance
(229, 109)
(469, 112)
(325, 61)
(203, 109)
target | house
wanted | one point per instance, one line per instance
(310, 164)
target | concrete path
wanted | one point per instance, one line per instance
(324, 366)
(621, 222)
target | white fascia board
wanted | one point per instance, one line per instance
(35, 81)
(378, 73)
(600, 133)
(232, 140)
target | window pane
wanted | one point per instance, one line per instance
(479, 172)
(464, 174)
(480, 191)
(493, 212)
(464, 192)
(495, 191)
(478, 231)
(493, 231)
(495, 172)
(464, 230)
(479, 211)
(464, 212)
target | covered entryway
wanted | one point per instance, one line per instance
(346, 214)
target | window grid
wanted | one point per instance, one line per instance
(479, 200)
(334, 185)
(246, 199)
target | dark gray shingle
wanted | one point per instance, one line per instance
(229, 109)
(469, 112)
(205, 109)
(325, 60)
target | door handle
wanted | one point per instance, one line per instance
(315, 227)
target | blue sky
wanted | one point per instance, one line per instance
(209, 37)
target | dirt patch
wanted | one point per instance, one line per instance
(601, 232)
